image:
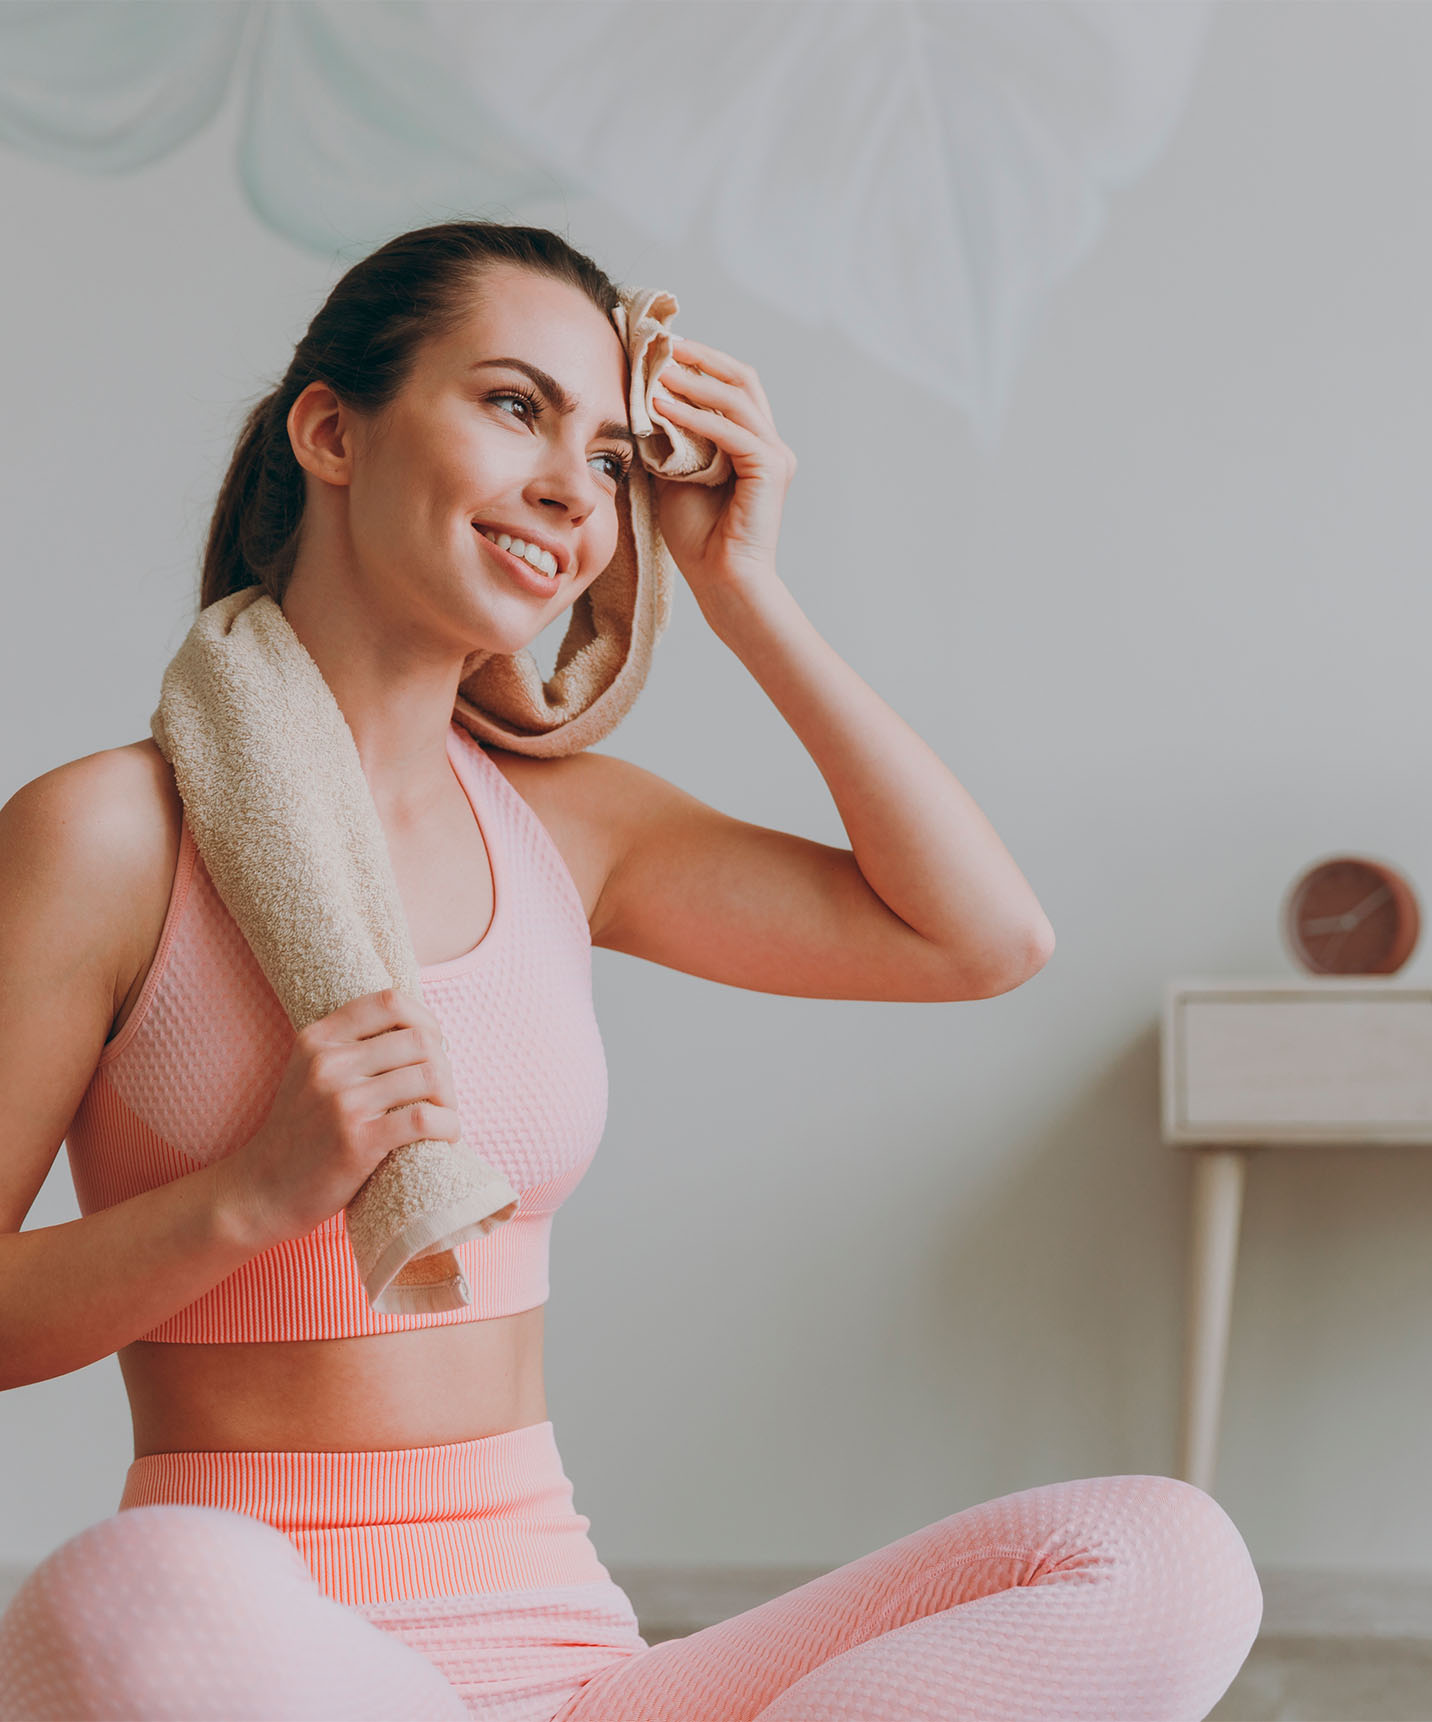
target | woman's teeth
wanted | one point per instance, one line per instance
(542, 560)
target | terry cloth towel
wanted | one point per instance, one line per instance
(280, 810)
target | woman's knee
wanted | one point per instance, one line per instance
(148, 1574)
(166, 1550)
(102, 1616)
(1187, 1539)
(172, 1611)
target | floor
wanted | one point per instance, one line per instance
(1335, 1647)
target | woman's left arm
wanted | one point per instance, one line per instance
(924, 861)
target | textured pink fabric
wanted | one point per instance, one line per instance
(518, 1656)
(177, 1614)
(193, 1072)
(1107, 1599)
(495, 1513)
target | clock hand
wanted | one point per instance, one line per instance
(1330, 924)
(1345, 923)
(1368, 904)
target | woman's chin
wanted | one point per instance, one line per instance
(500, 642)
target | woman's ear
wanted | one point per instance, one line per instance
(321, 433)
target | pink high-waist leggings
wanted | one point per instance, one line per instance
(1107, 1599)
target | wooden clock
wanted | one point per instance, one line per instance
(1348, 915)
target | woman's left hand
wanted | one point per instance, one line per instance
(722, 537)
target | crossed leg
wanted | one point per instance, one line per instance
(1106, 1599)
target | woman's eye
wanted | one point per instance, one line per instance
(618, 466)
(526, 402)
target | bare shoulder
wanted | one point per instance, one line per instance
(589, 803)
(107, 812)
(104, 830)
(86, 861)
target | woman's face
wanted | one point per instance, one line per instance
(536, 446)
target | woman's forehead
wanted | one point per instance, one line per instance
(562, 334)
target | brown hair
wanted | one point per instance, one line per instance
(363, 343)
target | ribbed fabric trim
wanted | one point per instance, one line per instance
(465, 1517)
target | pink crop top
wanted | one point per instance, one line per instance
(194, 1070)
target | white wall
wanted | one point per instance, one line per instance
(841, 1269)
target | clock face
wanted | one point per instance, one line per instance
(1350, 916)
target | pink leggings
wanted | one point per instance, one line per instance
(1107, 1599)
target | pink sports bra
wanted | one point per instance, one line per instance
(193, 1072)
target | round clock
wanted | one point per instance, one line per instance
(1351, 916)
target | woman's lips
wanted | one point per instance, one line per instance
(522, 573)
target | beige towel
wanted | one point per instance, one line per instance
(275, 796)
(281, 812)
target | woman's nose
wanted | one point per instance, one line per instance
(566, 480)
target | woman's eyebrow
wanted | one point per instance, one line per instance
(558, 395)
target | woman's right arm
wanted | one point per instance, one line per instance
(77, 846)
(71, 846)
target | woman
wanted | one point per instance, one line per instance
(333, 1513)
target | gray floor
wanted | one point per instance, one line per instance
(1303, 1680)
(1338, 1647)
(1335, 1647)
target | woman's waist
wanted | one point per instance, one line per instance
(512, 1480)
(461, 1518)
(414, 1388)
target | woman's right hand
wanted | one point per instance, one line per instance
(331, 1121)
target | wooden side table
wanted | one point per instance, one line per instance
(1249, 1064)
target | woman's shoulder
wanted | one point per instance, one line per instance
(97, 839)
(116, 811)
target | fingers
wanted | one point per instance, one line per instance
(400, 1046)
(696, 388)
(378, 1012)
(389, 1028)
(730, 420)
(713, 391)
(734, 372)
(727, 432)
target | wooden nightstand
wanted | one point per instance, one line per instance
(1275, 1064)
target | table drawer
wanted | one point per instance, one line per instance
(1327, 1063)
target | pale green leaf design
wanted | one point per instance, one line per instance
(919, 176)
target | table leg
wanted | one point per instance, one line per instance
(1218, 1179)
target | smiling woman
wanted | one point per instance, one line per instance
(334, 1511)
(390, 483)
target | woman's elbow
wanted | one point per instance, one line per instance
(1040, 944)
(1020, 959)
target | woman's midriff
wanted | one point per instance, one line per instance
(419, 1387)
